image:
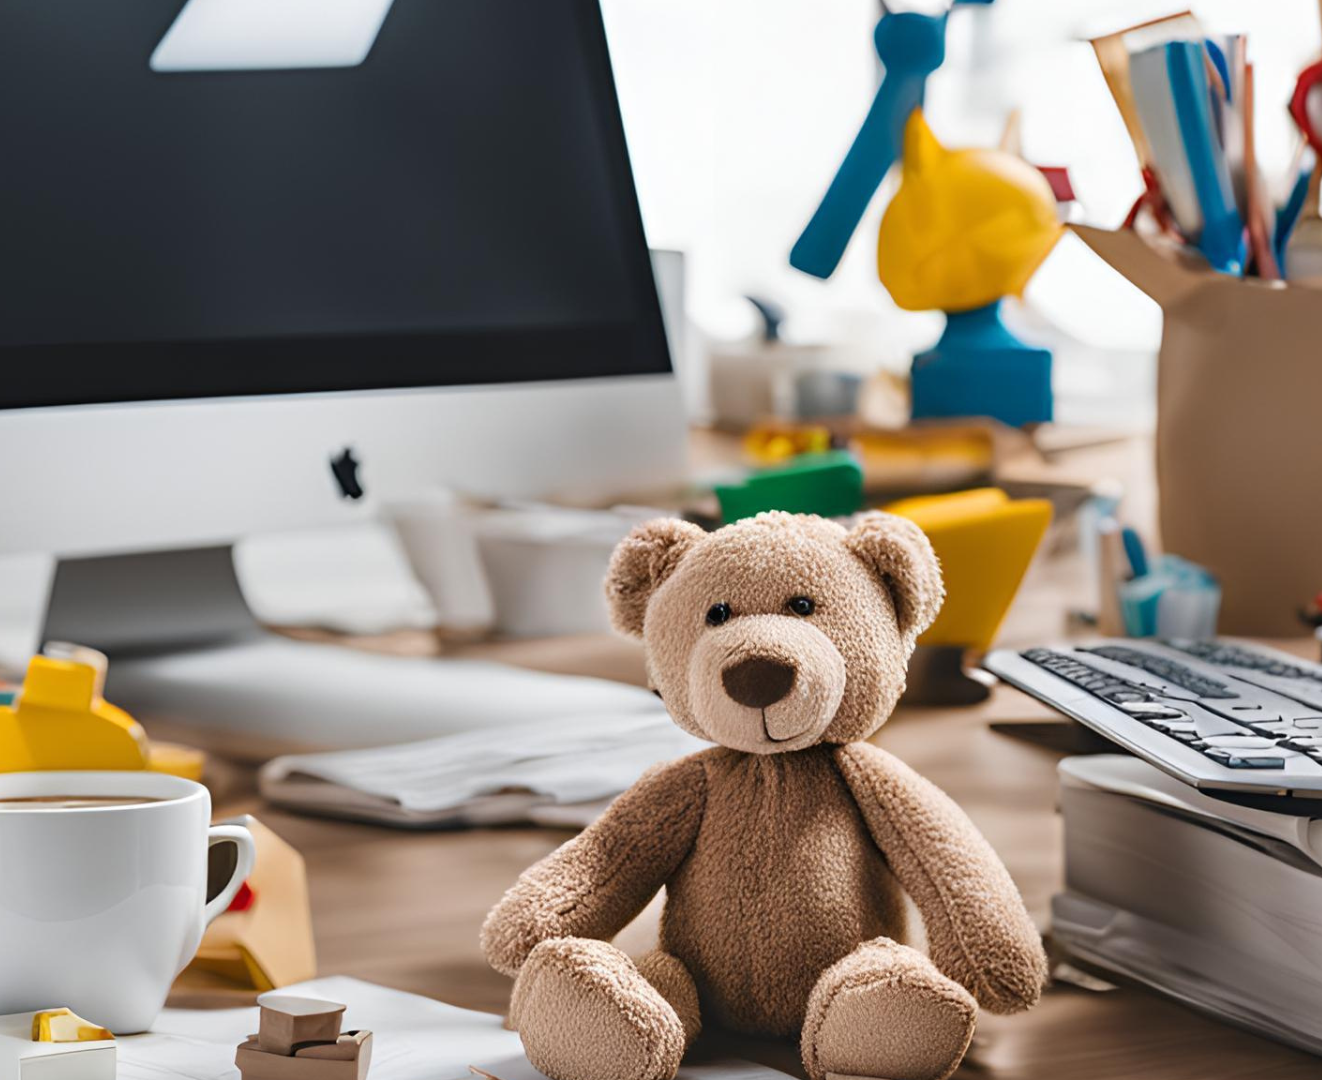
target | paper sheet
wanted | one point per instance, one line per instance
(413, 1038)
(571, 760)
(517, 1068)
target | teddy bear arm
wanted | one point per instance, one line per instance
(979, 932)
(596, 884)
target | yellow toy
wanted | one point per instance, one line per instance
(65, 1026)
(966, 227)
(60, 719)
(985, 541)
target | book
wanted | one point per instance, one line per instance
(1215, 903)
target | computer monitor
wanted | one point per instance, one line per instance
(255, 256)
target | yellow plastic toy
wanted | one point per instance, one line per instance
(65, 1026)
(985, 541)
(60, 719)
(966, 228)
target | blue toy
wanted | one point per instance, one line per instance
(966, 228)
(979, 368)
(911, 46)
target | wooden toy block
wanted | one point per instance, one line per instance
(288, 1021)
(347, 1058)
(351, 1046)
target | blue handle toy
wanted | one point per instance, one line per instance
(911, 46)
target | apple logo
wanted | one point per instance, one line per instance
(344, 467)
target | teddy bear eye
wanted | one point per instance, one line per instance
(802, 605)
(717, 614)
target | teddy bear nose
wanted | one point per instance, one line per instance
(758, 682)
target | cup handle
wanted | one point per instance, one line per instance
(242, 839)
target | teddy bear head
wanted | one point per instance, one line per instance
(779, 631)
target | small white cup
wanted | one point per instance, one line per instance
(102, 907)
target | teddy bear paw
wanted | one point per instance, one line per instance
(584, 1012)
(887, 1014)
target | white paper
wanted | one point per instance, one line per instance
(567, 760)
(413, 1038)
(518, 1068)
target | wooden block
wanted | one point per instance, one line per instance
(348, 1058)
(351, 1046)
(287, 1021)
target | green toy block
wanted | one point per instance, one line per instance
(829, 484)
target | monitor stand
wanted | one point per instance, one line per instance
(185, 648)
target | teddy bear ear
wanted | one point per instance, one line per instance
(899, 553)
(642, 561)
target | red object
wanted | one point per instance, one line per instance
(1309, 80)
(1155, 201)
(243, 899)
(1059, 178)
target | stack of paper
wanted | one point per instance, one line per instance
(557, 771)
(1215, 903)
(413, 1038)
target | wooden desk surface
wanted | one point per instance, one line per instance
(403, 909)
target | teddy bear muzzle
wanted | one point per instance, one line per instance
(766, 684)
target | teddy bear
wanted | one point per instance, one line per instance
(786, 850)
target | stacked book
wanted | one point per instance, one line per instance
(1214, 902)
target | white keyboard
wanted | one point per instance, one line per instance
(1219, 714)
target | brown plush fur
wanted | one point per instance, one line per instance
(786, 850)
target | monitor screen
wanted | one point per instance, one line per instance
(456, 209)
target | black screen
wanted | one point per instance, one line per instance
(458, 209)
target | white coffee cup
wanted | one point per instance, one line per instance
(102, 906)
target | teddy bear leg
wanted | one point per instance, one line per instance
(886, 1012)
(585, 1012)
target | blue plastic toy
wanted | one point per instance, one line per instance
(911, 46)
(979, 368)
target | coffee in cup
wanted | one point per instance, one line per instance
(71, 802)
(103, 890)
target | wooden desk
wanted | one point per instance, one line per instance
(403, 909)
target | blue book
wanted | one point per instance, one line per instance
(1222, 238)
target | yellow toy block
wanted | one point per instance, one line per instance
(65, 1026)
(60, 719)
(985, 541)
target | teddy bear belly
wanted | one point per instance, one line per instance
(783, 881)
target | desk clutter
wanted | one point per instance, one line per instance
(1195, 865)
(300, 1038)
(1234, 270)
(1214, 902)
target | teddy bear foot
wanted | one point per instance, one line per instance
(584, 1012)
(885, 1012)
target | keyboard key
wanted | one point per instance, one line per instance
(1238, 742)
(1235, 759)
(1151, 710)
(1171, 671)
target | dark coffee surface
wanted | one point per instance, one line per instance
(71, 802)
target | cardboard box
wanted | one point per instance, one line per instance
(1239, 429)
